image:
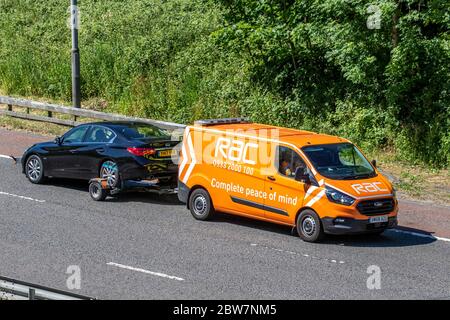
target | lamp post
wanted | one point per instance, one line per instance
(76, 90)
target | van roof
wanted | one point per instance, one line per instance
(299, 138)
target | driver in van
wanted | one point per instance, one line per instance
(284, 168)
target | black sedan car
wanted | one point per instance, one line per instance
(117, 151)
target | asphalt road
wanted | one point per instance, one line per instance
(142, 246)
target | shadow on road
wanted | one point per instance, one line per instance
(126, 196)
(390, 238)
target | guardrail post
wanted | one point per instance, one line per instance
(9, 107)
(49, 114)
(32, 294)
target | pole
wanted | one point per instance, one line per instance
(76, 90)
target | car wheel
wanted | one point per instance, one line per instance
(309, 226)
(96, 191)
(110, 171)
(200, 205)
(34, 169)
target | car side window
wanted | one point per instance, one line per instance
(100, 135)
(289, 161)
(76, 135)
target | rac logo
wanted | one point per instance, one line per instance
(368, 187)
(235, 150)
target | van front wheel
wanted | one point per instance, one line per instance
(200, 205)
(309, 226)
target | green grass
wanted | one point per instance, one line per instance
(163, 60)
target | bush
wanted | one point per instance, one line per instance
(310, 64)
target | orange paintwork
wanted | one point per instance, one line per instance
(247, 178)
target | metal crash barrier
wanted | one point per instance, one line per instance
(11, 289)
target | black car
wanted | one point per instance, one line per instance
(117, 151)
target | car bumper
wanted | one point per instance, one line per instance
(355, 226)
(149, 170)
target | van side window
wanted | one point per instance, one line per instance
(289, 161)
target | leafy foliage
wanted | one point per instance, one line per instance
(387, 85)
(312, 64)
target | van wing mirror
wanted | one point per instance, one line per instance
(374, 163)
(302, 175)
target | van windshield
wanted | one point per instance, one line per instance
(339, 161)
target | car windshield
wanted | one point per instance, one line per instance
(339, 161)
(137, 131)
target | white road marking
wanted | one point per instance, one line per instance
(296, 253)
(163, 275)
(417, 234)
(20, 197)
(5, 157)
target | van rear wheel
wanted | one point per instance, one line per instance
(309, 226)
(200, 205)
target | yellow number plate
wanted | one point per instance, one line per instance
(167, 153)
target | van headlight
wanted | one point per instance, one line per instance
(339, 197)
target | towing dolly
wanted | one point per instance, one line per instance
(99, 188)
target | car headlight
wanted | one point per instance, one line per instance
(339, 197)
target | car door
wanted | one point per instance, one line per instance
(95, 150)
(62, 159)
(285, 194)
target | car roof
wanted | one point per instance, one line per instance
(299, 138)
(116, 123)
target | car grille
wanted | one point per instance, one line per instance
(376, 206)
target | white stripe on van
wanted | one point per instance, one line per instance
(193, 159)
(185, 159)
(316, 198)
(184, 153)
(310, 190)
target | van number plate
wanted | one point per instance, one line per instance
(378, 219)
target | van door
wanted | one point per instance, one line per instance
(285, 194)
(237, 184)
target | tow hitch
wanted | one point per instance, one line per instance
(99, 188)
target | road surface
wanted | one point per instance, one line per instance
(141, 246)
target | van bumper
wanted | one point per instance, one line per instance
(354, 226)
(183, 192)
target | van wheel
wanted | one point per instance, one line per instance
(200, 205)
(309, 226)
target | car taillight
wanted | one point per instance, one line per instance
(141, 152)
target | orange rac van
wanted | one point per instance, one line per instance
(316, 183)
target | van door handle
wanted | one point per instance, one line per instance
(272, 178)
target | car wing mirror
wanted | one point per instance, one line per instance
(374, 163)
(302, 176)
(58, 140)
